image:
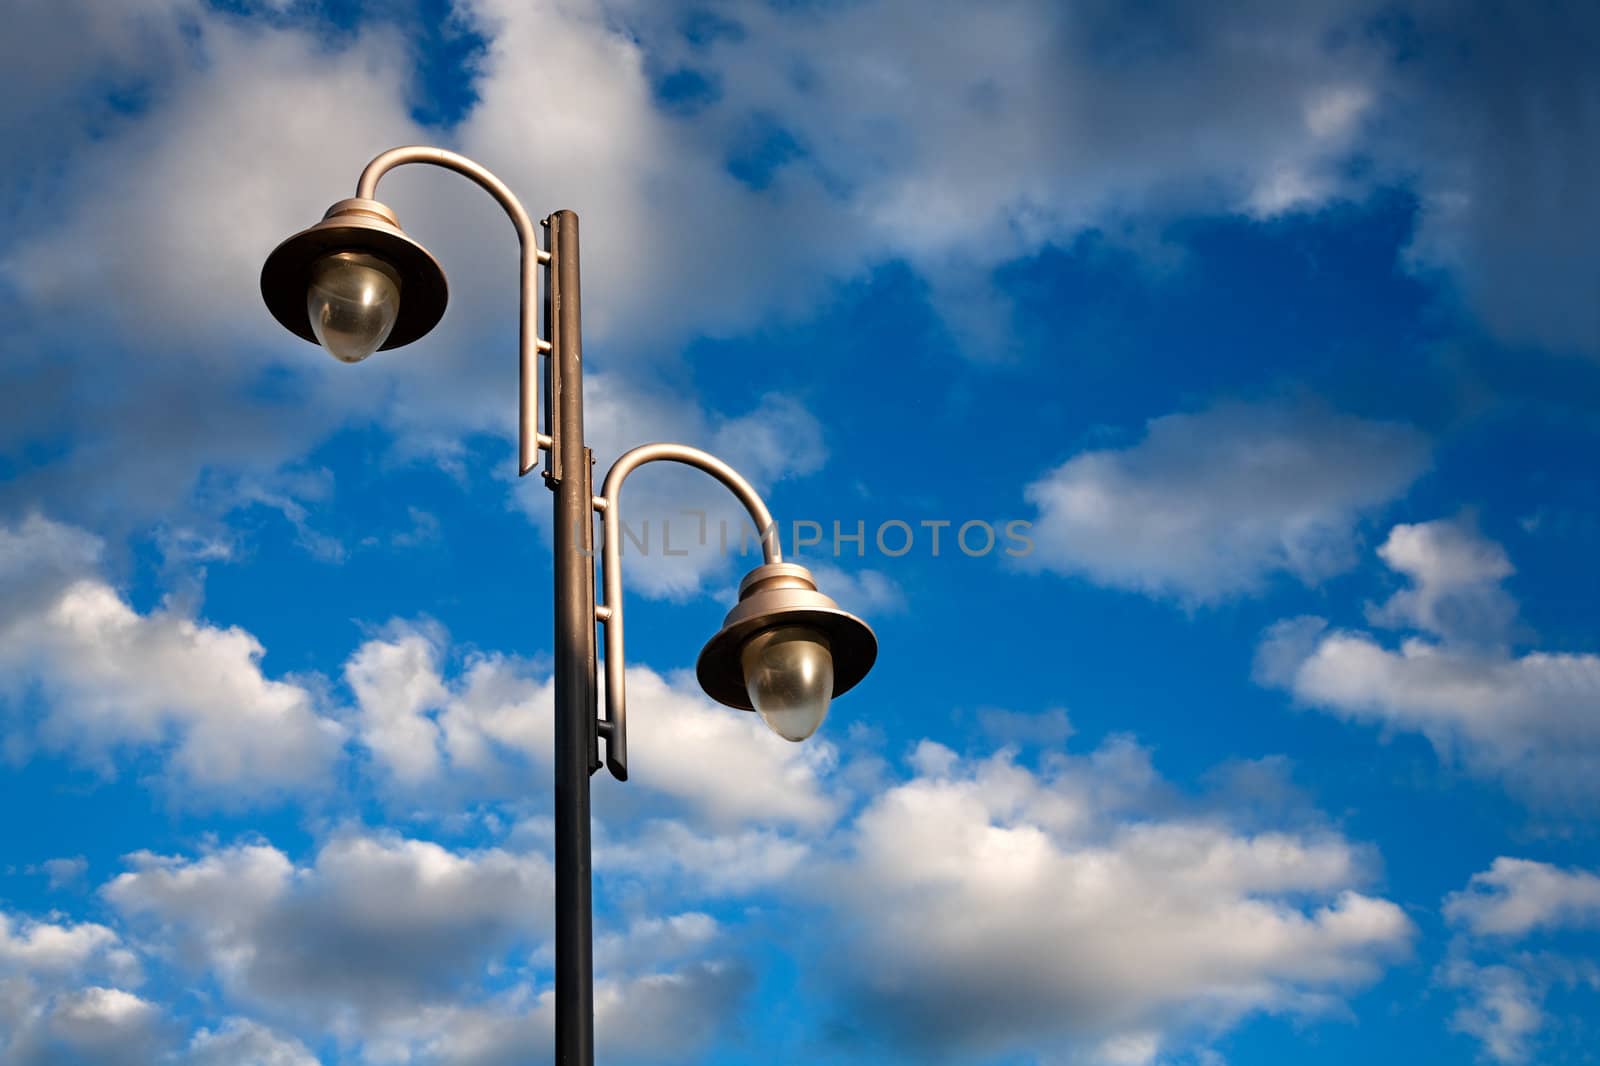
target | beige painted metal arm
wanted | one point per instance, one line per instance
(614, 729)
(529, 439)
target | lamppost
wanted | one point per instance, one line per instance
(356, 283)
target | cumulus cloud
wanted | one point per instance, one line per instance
(1503, 992)
(665, 222)
(994, 908)
(821, 142)
(849, 114)
(1211, 505)
(944, 902)
(866, 592)
(1526, 719)
(52, 1011)
(374, 925)
(485, 726)
(239, 204)
(410, 952)
(395, 682)
(1063, 119)
(242, 1042)
(650, 943)
(1455, 575)
(114, 677)
(659, 1017)
(205, 206)
(1515, 897)
(1503, 1008)
(51, 1007)
(99, 1025)
(181, 209)
(51, 949)
(1055, 121)
(729, 861)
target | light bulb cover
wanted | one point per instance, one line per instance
(352, 303)
(783, 594)
(364, 227)
(788, 675)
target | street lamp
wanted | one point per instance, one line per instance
(357, 283)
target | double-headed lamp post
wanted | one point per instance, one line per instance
(356, 283)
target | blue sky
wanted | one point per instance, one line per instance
(1268, 331)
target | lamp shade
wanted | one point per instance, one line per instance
(783, 595)
(363, 227)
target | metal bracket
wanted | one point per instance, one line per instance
(587, 548)
(614, 727)
(552, 392)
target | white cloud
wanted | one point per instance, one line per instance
(897, 152)
(51, 1007)
(1055, 121)
(1130, 1049)
(181, 206)
(498, 720)
(1212, 504)
(666, 222)
(1304, 181)
(395, 682)
(375, 925)
(657, 1017)
(1503, 1009)
(46, 948)
(494, 719)
(1527, 719)
(728, 861)
(409, 952)
(115, 677)
(675, 732)
(944, 903)
(1062, 119)
(1335, 112)
(64, 872)
(38, 557)
(1503, 998)
(651, 943)
(205, 204)
(992, 908)
(1047, 729)
(1455, 576)
(241, 1042)
(100, 1025)
(1515, 897)
(864, 591)
(1044, 128)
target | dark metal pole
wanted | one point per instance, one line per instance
(575, 697)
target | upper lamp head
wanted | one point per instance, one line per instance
(355, 282)
(785, 650)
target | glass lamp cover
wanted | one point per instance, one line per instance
(352, 302)
(788, 673)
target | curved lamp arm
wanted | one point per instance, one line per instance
(530, 440)
(615, 727)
